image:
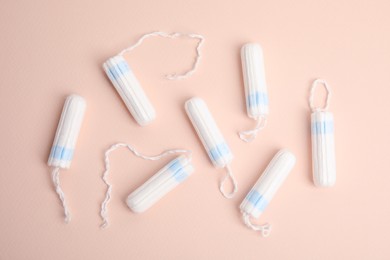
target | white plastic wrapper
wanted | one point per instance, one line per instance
(322, 139)
(164, 181)
(265, 188)
(130, 90)
(160, 184)
(62, 151)
(212, 139)
(256, 95)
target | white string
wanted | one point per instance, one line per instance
(55, 174)
(312, 91)
(103, 211)
(250, 135)
(264, 229)
(173, 76)
(230, 175)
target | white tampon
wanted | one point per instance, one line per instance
(64, 142)
(130, 90)
(212, 139)
(256, 96)
(322, 138)
(165, 180)
(265, 188)
(127, 85)
(156, 187)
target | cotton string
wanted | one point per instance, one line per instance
(103, 212)
(265, 229)
(172, 36)
(230, 175)
(250, 135)
(55, 174)
(312, 91)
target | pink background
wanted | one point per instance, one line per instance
(50, 49)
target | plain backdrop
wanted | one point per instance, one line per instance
(50, 49)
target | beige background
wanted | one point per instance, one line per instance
(50, 49)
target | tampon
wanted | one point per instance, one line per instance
(322, 138)
(127, 85)
(211, 138)
(156, 187)
(255, 88)
(165, 180)
(64, 142)
(265, 188)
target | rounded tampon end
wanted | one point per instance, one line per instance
(68, 129)
(192, 101)
(134, 206)
(286, 157)
(324, 184)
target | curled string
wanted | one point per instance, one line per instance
(103, 211)
(230, 175)
(250, 135)
(55, 174)
(312, 91)
(173, 76)
(264, 229)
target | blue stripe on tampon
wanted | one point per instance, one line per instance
(61, 153)
(175, 165)
(219, 151)
(257, 200)
(323, 127)
(118, 69)
(257, 98)
(178, 171)
(123, 66)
